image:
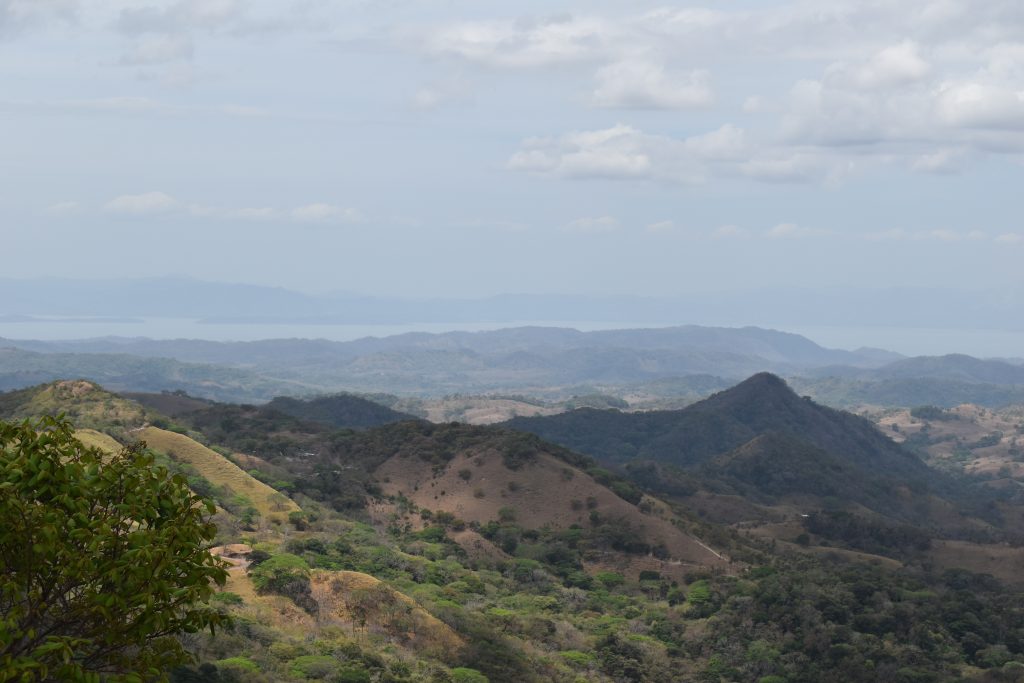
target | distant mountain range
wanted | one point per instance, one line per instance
(243, 303)
(650, 368)
(534, 358)
(952, 367)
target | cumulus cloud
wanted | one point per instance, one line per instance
(324, 213)
(927, 86)
(524, 42)
(138, 204)
(728, 232)
(641, 84)
(940, 161)
(617, 152)
(794, 231)
(973, 104)
(893, 66)
(627, 153)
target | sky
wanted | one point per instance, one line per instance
(462, 148)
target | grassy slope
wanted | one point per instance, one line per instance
(94, 439)
(218, 470)
(86, 404)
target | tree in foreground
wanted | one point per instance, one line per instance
(103, 560)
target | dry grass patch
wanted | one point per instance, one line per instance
(1001, 561)
(219, 471)
(94, 439)
(483, 410)
(366, 604)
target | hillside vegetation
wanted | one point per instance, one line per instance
(762, 538)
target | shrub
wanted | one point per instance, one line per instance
(288, 575)
(227, 598)
(243, 663)
(464, 675)
(313, 666)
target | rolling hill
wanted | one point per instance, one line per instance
(20, 368)
(448, 552)
(341, 411)
(760, 444)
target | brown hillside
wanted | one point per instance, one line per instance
(543, 492)
(363, 603)
(356, 602)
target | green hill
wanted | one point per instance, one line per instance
(721, 423)
(341, 411)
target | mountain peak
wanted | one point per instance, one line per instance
(764, 380)
(757, 393)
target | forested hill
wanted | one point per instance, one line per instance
(342, 411)
(719, 424)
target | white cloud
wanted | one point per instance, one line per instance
(617, 152)
(756, 104)
(727, 143)
(728, 232)
(598, 225)
(145, 203)
(522, 43)
(324, 213)
(1010, 238)
(980, 105)
(942, 235)
(794, 231)
(624, 152)
(641, 84)
(940, 161)
(893, 66)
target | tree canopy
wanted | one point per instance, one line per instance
(104, 559)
